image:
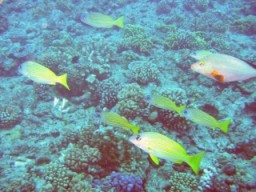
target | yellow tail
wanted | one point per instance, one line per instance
(135, 129)
(63, 80)
(194, 161)
(224, 125)
(180, 109)
(120, 22)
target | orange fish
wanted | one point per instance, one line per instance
(224, 68)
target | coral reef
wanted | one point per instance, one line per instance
(107, 91)
(183, 182)
(120, 182)
(201, 5)
(131, 103)
(3, 24)
(135, 38)
(245, 25)
(81, 159)
(144, 72)
(10, 115)
(58, 176)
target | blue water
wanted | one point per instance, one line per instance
(52, 138)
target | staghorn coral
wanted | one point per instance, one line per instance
(135, 38)
(131, 102)
(144, 72)
(183, 182)
(10, 115)
(80, 159)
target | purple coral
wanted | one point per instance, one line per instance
(120, 182)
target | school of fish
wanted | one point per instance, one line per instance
(220, 67)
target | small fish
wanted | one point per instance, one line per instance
(202, 118)
(118, 121)
(160, 146)
(200, 54)
(164, 103)
(41, 74)
(100, 20)
(224, 68)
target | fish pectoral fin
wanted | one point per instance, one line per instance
(217, 76)
(154, 159)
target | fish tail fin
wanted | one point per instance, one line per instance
(120, 22)
(63, 80)
(135, 129)
(180, 109)
(194, 161)
(224, 125)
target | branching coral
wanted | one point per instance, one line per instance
(144, 72)
(79, 160)
(58, 176)
(135, 38)
(131, 102)
(107, 91)
(183, 182)
(120, 182)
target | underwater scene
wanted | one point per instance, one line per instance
(128, 96)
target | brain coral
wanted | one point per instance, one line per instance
(131, 102)
(10, 115)
(144, 72)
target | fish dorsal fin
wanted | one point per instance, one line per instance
(154, 159)
(219, 77)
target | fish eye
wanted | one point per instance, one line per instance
(138, 137)
(184, 112)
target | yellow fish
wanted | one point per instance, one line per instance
(118, 121)
(41, 74)
(202, 118)
(224, 68)
(164, 103)
(160, 146)
(102, 21)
